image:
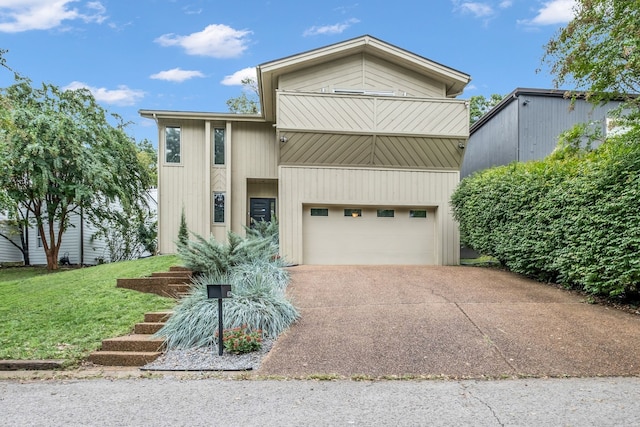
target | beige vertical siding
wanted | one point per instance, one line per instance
(342, 73)
(362, 72)
(255, 154)
(366, 187)
(183, 184)
(381, 75)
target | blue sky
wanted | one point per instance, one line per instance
(191, 54)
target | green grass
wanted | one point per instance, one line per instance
(66, 314)
(10, 274)
(482, 261)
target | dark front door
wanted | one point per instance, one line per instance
(261, 209)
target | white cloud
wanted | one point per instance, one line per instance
(176, 75)
(552, 13)
(236, 78)
(477, 9)
(330, 29)
(216, 40)
(122, 96)
(24, 15)
(505, 4)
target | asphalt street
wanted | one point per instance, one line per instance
(172, 401)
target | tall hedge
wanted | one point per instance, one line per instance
(572, 218)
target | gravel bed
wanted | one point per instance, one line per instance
(207, 359)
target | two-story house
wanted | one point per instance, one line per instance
(357, 150)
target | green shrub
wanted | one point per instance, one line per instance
(572, 218)
(241, 340)
(209, 256)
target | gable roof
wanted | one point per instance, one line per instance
(269, 72)
(508, 99)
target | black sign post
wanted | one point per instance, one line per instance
(219, 292)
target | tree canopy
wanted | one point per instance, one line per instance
(247, 102)
(60, 154)
(479, 106)
(598, 52)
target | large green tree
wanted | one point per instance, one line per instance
(598, 52)
(61, 154)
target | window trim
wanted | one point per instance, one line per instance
(224, 146)
(164, 150)
(213, 202)
(325, 212)
(412, 213)
(379, 211)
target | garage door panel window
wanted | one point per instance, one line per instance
(319, 212)
(355, 213)
(417, 213)
(386, 213)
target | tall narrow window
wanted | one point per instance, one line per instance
(172, 144)
(218, 146)
(38, 240)
(218, 207)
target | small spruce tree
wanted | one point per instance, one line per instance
(183, 232)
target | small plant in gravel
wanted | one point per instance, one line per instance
(242, 340)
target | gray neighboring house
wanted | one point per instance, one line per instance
(525, 126)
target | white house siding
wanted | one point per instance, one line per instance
(71, 244)
(367, 188)
(8, 252)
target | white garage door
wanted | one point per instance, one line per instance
(360, 235)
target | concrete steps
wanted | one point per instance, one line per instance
(141, 347)
(123, 358)
(172, 283)
(136, 349)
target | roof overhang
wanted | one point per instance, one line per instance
(198, 115)
(520, 91)
(269, 72)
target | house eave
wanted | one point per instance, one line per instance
(200, 115)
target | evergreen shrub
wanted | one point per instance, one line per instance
(572, 218)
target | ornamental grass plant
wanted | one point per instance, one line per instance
(258, 283)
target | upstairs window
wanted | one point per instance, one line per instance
(172, 144)
(218, 146)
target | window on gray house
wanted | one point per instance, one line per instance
(417, 213)
(172, 144)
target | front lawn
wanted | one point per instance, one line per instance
(66, 315)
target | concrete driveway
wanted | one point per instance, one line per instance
(457, 322)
